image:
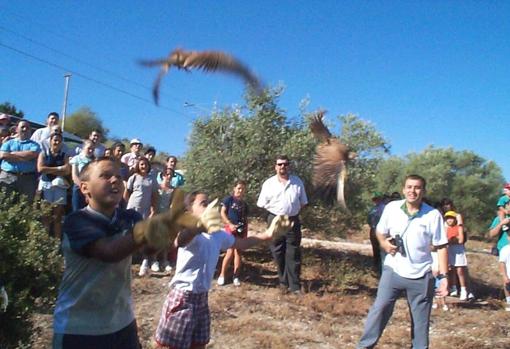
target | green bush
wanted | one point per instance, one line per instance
(30, 266)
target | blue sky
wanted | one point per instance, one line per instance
(423, 72)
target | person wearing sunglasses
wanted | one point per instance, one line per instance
(284, 194)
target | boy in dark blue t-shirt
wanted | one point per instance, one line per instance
(94, 306)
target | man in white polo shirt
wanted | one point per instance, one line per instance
(406, 231)
(43, 133)
(284, 194)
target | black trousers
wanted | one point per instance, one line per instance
(286, 253)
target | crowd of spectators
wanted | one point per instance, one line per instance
(41, 165)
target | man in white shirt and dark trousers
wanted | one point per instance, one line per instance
(284, 194)
(406, 231)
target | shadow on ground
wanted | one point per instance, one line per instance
(333, 271)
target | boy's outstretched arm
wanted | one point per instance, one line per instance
(279, 226)
(153, 234)
(112, 251)
(185, 236)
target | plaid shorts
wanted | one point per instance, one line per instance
(185, 320)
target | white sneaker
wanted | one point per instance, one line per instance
(168, 268)
(471, 296)
(454, 292)
(237, 282)
(445, 307)
(155, 267)
(221, 281)
(144, 267)
(463, 295)
(434, 305)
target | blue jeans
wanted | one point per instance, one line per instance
(419, 294)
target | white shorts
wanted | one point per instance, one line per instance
(55, 195)
(457, 256)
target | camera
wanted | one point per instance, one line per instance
(399, 242)
(239, 229)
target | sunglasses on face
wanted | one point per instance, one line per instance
(280, 164)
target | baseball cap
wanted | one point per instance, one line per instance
(452, 214)
(506, 186)
(135, 141)
(4, 116)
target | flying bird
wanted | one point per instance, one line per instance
(204, 60)
(330, 162)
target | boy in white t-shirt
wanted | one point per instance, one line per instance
(504, 268)
(185, 318)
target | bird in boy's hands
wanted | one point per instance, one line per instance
(158, 231)
(279, 226)
(211, 218)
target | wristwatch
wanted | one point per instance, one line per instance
(441, 276)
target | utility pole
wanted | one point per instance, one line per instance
(67, 76)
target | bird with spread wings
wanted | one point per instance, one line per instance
(330, 162)
(204, 60)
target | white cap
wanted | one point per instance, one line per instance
(135, 141)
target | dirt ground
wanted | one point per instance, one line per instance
(339, 287)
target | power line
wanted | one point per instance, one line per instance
(83, 76)
(76, 59)
(44, 27)
(81, 61)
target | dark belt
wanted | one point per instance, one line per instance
(290, 217)
(21, 173)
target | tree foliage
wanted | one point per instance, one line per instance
(472, 182)
(30, 267)
(11, 109)
(83, 121)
